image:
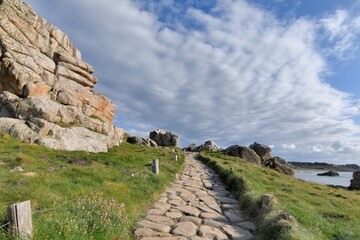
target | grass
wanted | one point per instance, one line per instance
(117, 188)
(303, 210)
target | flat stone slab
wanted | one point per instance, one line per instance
(248, 226)
(234, 216)
(147, 232)
(237, 233)
(155, 226)
(160, 219)
(212, 233)
(188, 210)
(185, 229)
(174, 215)
(195, 220)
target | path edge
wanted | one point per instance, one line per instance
(273, 222)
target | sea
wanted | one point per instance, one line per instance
(311, 176)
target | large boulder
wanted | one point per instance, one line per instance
(279, 164)
(147, 142)
(43, 79)
(355, 182)
(208, 146)
(165, 139)
(262, 150)
(243, 152)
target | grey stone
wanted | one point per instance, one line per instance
(160, 219)
(243, 152)
(237, 233)
(188, 210)
(147, 232)
(248, 226)
(197, 221)
(279, 165)
(163, 138)
(185, 229)
(155, 226)
(263, 151)
(234, 216)
(211, 232)
(174, 215)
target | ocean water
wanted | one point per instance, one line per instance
(311, 176)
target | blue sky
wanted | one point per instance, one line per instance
(283, 73)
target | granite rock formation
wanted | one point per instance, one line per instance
(243, 152)
(147, 142)
(279, 164)
(46, 89)
(208, 146)
(262, 150)
(165, 139)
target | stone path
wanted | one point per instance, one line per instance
(197, 206)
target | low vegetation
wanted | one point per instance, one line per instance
(303, 210)
(79, 195)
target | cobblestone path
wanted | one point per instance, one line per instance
(197, 206)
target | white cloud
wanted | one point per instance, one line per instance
(234, 74)
(289, 146)
(343, 30)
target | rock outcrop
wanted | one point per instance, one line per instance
(262, 150)
(329, 174)
(191, 148)
(260, 154)
(208, 146)
(280, 165)
(243, 152)
(46, 89)
(165, 139)
(355, 182)
(147, 142)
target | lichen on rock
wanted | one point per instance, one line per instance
(45, 85)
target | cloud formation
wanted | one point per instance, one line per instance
(229, 72)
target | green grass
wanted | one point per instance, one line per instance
(118, 187)
(319, 212)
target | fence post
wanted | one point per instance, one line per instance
(155, 166)
(19, 215)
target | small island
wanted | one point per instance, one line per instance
(329, 174)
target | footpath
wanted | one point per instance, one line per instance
(197, 206)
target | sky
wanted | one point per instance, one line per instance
(285, 73)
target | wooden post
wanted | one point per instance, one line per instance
(176, 158)
(21, 222)
(155, 166)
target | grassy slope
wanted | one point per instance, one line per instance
(58, 181)
(321, 212)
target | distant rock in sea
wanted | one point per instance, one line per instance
(329, 174)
